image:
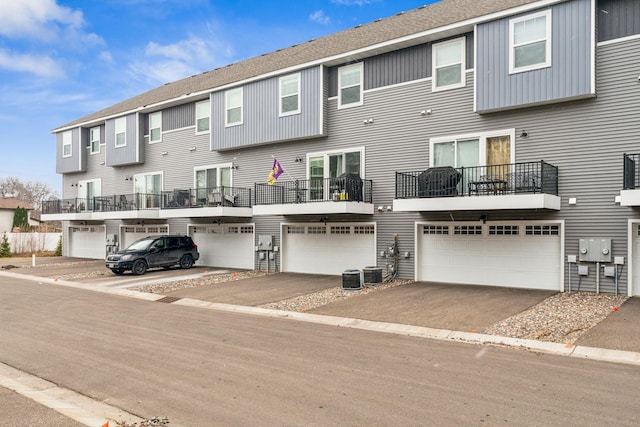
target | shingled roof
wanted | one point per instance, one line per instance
(434, 16)
(13, 203)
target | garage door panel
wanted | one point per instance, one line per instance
(516, 259)
(329, 249)
(226, 246)
(87, 242)
(132, 233)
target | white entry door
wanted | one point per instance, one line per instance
(522, 255)
(130, 234)
(87, 241)
(328, 249)
(225, 245)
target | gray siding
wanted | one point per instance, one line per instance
(261, 120)
(400, 66)
(77, 162)
(569, 76)
(178, 117)
(132, 152)
(618, 18)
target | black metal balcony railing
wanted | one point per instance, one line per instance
(175, 199)
(206, 197)
(631, 174)
(515, 178)
(343, 189)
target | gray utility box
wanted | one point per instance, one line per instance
(265, 242)
(595, 249)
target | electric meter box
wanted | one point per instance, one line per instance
(265, 243)
(595, 249)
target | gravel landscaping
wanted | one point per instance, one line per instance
(561, 318)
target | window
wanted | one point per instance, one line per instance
(350, 85)
(88, 190)
(210, 178)
(66, 144)
(155, 127)
(203, 112)
(290, 95)
(233, 107)
(121, 131)
(94, 140)
(484, 149)
(530, 42)
(448, 64)
(148, 189)
(331, 165)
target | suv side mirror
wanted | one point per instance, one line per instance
(153, 250)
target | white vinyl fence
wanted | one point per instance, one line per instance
(32, 242)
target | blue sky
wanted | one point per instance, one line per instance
(63, 59)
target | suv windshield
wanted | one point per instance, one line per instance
(140, 245)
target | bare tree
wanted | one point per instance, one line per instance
(31, 192)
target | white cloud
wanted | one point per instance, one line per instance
(167, 63)
(40, 65)
(319, 17)
(106, 56)
(39, 19)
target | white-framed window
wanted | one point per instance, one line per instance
(67, 144)
(530, 42)
(233, 107)
(148, 189)
(94, 140)
(212, 178)
(88, 190)
(470, 150)
(332, 164)
(289, 94)
(203, 116)
(121, 131)
(448, 60)
(350, 85)
(155, 127)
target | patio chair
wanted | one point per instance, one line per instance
(215, 197)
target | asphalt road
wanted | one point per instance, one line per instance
(202, 367)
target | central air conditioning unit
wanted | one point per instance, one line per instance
(351, 280)
(372, 275)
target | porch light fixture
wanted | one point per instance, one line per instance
(217, 221)
(380, 208)
(234, 166)
(164, 153)
(74, 184)
(425, 112)
(128, 178)
(524, 134)
(324, 219)
(299, 159)
(192, 149)
(389, 208)
(484, 218)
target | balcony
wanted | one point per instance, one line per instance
(531, 185)
(178, 203)
(630, 194)
(350, 195)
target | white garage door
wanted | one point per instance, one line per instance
(511, 255)
(636, 260)
(328, 249)
(132, 233)
(87, 242)
(227, 245)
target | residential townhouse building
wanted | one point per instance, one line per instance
(476, 142)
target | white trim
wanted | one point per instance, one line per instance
(298, 94)
(91, 140)
(463, 64)
(593, 45)
(360, 67)
(561, 236)
(69, 134)
(482, 137)
(115, 131)
(227, 94)
(155, 113)
(547, 61)
(619, 40)
(336, 58)
(321, 88)
(197, 132)
(216, 166)
(328, 153)
(631, 273)
(475, 62)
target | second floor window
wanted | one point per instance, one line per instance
(290, 94)
(155, 127)
(203, 114)
(233, 107)
(66, 144)
(530, 42)
(350, 85)
(121, 131)
(448, 64)
(94, 140)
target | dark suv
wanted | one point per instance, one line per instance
(154, 251)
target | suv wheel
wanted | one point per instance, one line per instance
(139, 267)
(186, 261)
